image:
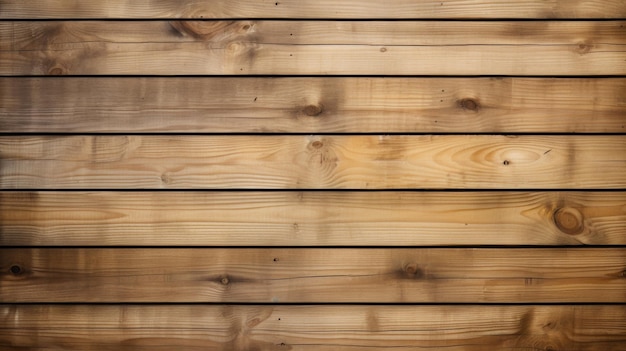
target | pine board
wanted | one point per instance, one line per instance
(312, 105)
(329, 275)
(313, 162)
(306, 218)
(308, 328)
(357, 9)
(248, 47)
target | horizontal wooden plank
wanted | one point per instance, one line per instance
(313, 47)
(405, 9)
(313, 105)
(294, 275)
(311, 218)
(348, 328)
(307, 162)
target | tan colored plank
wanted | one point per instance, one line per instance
(343, 328)
(313, 105)
(313, 275)
(313, 47)
(303, 162)
(312, 218)
(406, 9)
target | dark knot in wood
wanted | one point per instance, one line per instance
(413, 270)
(57, 71)
(469, 104)
(584, 48)
(313, 110)
(204, 30)
(16, 269)
(317, 144)
(569, 220)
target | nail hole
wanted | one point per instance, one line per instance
(506, 162)
(276, 259)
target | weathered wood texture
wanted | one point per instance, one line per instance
(312, 218)
(366, 9)
(313, 105)
(301, 162)
(313, 47)
(313, 275)
(277, 328)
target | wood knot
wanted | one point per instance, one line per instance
(16, 269)
(569, 220)
(165, 178)
(317, 144)
(383, 49)
(224, 280)
(622, 274)
(412, 270)
(506, 162)
(57, 71)
(469, 104)
(313, 110)
(583, 48)
(203, 30)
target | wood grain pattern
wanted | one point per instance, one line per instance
(405, 9)
(313, 47)
(313, 105)
(292, 275)
(311, 218)
(307, 162)
(343, 328)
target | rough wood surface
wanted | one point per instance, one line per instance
(343, 328)
(406, 9)
(311, 218)
(313, 47)
(313, 105)
(306, 162)
(313, 275)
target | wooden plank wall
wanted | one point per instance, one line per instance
(313, 175)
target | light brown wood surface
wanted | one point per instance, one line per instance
(405, 9)
(313, 47)
(274, 275)
(315, 161)
(313, 105)
(307, 218)
(348, 328)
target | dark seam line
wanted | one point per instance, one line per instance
(316, 247)
(165, 303)
(274, 134)
(311, 19)
(249, 76)
(448, 190)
